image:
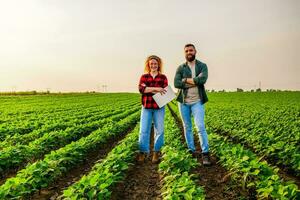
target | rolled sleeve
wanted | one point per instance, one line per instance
(165, 82)
(178, 79)
(142, 85)
(200, 80)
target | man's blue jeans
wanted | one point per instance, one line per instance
(197, 110)
(147, 116)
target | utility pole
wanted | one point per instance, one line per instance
(14, 88)
(104, 88)
(99, 87)
(48, 90)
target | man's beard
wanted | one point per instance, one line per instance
(190, 58)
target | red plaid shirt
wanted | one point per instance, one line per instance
(147, 80)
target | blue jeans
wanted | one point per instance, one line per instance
(197, 110)
(147, 115)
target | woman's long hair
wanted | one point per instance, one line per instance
(158, 59)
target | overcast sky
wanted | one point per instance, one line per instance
(80, 45)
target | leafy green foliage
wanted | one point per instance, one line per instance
(14, 155)
(41, 173)
(250, 171)
(104, 175)
(176, 165)
(269, 123)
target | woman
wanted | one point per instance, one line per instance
(152, 82)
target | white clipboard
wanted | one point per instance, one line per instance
(163, 99)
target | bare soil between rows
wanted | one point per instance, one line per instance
(141, 182)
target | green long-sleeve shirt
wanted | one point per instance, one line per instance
(183, 71)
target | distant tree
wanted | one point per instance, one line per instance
(252, 90)
(258, 90)
(239, 90)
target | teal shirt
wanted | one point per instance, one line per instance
(183, 71)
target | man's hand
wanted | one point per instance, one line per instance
(189, 85)
(189, 82)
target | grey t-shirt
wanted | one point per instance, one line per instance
(192, 93)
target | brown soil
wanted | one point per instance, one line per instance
(8, 174)
(142, 181)
(216, 181)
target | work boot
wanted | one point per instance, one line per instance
(206, 159)
(155, 157)
(194, 153)
(141, 157)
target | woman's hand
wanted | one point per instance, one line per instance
(161, 90)
(155, 90)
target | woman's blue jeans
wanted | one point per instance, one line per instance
(197, 110)
(147, 116)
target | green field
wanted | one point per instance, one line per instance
(83, 146)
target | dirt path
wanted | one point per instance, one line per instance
(8, 174)
(214, 179)
(141, 183)
(73, 175)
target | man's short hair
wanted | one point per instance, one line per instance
(189, 45)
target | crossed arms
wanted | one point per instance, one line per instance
(182, 82)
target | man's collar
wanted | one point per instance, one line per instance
(196, 62)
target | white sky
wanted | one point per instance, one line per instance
(77, 45)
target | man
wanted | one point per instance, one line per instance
(190, 78)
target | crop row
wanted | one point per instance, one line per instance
(42, 173)
(250, 171)
(272, 134)
(73, 120)
(34, 121)
(13, 156)
(22, 108)
(98, 183)
(176, 164)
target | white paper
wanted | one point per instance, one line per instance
(163, 99)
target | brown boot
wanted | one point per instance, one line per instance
(155, 158)
(194, 153)
(206, 159)
(141, 157)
